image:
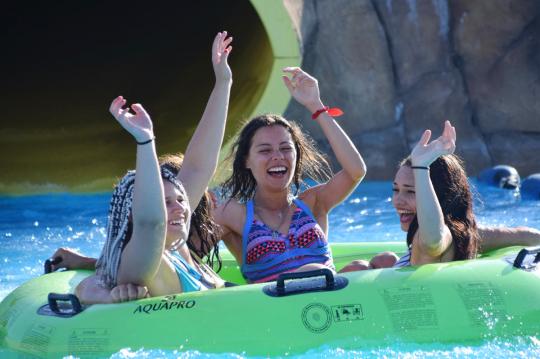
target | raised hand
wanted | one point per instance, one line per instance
(138, 125)
(220, 53)
(425, 152)
(303, 87)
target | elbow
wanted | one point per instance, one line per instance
(438, 243)
(359, 173)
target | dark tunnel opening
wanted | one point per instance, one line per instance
(65, 61)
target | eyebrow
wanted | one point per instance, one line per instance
(269, 144)
(405, 185)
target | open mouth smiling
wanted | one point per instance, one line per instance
(277, 171)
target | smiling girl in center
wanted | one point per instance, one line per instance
(268, 225)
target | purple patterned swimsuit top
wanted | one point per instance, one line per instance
(267, 253)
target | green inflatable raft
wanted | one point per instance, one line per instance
(497, 295)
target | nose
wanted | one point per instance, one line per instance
(277, 155)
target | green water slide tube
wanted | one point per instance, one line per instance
(64, 63)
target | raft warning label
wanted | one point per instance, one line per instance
(483, 302)
(347, 312)
(410, 307)
(37, 338)
(88, 341)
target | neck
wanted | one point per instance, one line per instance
(272, 200)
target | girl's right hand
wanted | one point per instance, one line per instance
(220, 53)
(71, 259)
(138, 125)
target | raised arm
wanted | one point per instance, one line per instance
(433, 234)
(142, 255)
(201, 156)
(305, 89)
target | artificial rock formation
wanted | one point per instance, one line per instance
(397, 67)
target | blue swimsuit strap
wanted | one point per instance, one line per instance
(190, 278)
(247, 227)
(304, 207)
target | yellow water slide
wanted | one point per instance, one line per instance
(65, 61)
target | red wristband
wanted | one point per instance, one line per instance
(334, 112)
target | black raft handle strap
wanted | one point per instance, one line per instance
(518, 262)
(327, 273)
(47, 266)
(54, 298)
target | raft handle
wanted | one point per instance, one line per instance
(49, 263)
(518, 262)
(54, 298)
(305, 282)
(327, 273)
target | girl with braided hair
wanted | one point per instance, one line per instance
(203, 239)
(149, 213)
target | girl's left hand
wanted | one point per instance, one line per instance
(138, 125)
(424, 153)
(128, 292)
(303, 87)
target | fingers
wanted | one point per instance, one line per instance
(142, 292)
(116, 105)
(288, 83)
(58, 259)
(292, 70)
(425, 138)
(449, 131)
(128, 292)
(139, 110)
(221, 47)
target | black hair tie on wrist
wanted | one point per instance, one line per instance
(147, 141)
(420, 168)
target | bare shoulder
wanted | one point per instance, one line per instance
(311, 198)
(231, 215)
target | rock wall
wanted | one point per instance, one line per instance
(397, 67)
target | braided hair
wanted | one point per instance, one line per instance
(119, 226)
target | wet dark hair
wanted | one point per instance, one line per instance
(310, 163)
(455, 198)
(201, 222)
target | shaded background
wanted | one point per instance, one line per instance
(63, 62)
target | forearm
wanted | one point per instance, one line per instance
(142, 255)
(346, 152)
(148, 207)
(432, 231)
(202, 153)
(88, 263)
(492, 238)
(89, 291)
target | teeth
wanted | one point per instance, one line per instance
(277, 169)
(175, 222)
(400, 211)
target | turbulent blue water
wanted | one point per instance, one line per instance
(31, 228)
